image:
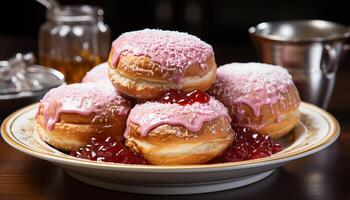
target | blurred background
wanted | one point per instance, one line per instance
(222, 23)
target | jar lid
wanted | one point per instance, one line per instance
(20, 78)
(76, 13)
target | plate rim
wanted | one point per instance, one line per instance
(333, 134)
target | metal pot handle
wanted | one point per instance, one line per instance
(346, 44)
(346, 48)
(329, 60)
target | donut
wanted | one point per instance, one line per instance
(145, 64)
(98, 74)
(179, 134)
(69, 115)
(259, 96)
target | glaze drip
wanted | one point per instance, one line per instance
(153, 114)
(83, 99)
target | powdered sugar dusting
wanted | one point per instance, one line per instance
(80, 98)
(173, 50)
(153, 114)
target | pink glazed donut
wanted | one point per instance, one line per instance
(259, 96)
(70, 115)
(173, 134)
(98, 74)
(145, 64)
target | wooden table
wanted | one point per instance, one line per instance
(325, 175)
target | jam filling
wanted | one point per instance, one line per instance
(248, 145)
(184, 98)
(107, 149)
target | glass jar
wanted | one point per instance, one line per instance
(73, 40)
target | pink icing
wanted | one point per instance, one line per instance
(254, 84)
(173, 50)
(153, 114)
(83, 99)
(98, 74)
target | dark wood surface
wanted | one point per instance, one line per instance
(324, 175)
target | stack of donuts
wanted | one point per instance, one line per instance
(161, 94)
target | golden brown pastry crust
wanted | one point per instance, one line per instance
(276, 119)
(73, 130)
(176, 145)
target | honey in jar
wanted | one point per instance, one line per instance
(73, 40)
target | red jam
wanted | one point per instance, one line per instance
(107, 150)
(248, 145)
(185, 98)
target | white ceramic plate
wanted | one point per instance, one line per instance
(316, 131)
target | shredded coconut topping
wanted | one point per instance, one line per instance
(254, 76)
(173, 50)
(238, 79)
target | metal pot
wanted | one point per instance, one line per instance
(309, 49)
(13, 96)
